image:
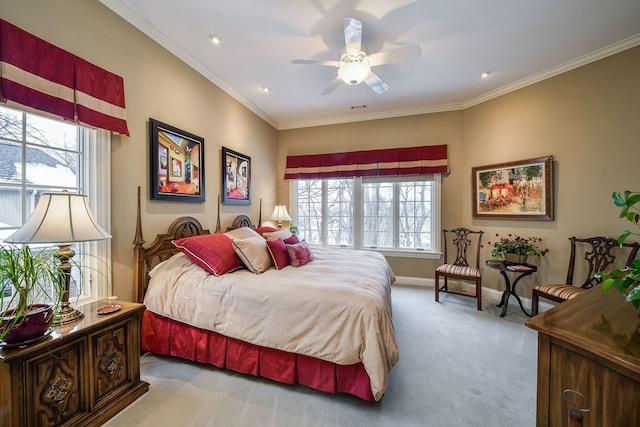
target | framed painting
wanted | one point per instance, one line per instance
(177, 163)
(236, 178)
(514, 190)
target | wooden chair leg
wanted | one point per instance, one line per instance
(437, 287)
(534, 302)
(479, 294)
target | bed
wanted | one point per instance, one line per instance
(326, 324)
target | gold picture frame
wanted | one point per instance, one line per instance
(514, 190)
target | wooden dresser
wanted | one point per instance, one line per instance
(82, 374)
(590, 344)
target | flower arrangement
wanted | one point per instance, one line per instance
(517, 245)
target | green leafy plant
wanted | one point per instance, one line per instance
(293, 228)
(517, 245)
(627, 279)
(26, 277)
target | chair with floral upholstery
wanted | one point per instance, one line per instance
(595, 255)
(465, 266)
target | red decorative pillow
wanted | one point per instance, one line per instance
(265, 229)
(292, 240)
(299, 254)
(213, 252)
(278, 252)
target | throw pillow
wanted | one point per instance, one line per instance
(253, 253)
(280, 234)
(265, 229)
(292, 240)
(241, 233)
(278, 251)
(299, 254)
(212, 252)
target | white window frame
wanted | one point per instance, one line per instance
(434, 253)
(95, 182)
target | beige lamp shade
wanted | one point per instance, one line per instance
(60, 218)
(280, 214)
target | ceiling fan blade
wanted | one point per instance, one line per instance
(395, 55)
(316, 62)
(353, 36)
(376, 83)
(332, 86)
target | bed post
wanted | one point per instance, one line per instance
(138, 258)
(259, 224)
(218, 228)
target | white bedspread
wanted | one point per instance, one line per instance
(336, 308)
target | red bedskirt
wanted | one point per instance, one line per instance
(165, 336)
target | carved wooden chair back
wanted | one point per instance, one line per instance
(588, 257)
(464, 266)
(598, 254)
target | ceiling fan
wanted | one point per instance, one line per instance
(354, 66)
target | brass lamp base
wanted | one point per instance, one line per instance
(67, 315)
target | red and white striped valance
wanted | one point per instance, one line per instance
(37, 74)
(395, 161)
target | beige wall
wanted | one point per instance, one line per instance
(160, 86)
(588, 119)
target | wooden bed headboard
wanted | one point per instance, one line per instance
(145, 258)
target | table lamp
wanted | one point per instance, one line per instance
(280, 214)
(61, 218)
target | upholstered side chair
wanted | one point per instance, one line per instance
(461, 253)
(588, 257)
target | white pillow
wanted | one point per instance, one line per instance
(241, 233)
(280, 234)
(254, 253)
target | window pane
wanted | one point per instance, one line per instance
(415, 215)
(377, 208)
(10, 124)
(52, 167)
(11, 154)
(52, 133)
(340, 212)
(309, 210)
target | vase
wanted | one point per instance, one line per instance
(33, 324)
(516, 258)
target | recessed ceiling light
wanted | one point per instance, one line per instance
(485, 74)
(214, 39)
(265, 89)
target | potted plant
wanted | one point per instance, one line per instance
(30, 292)
(626, 280)
(517, 249)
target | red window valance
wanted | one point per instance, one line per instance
(395, 161)
(37, 74)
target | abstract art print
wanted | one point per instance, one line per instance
(236, 178)
(177, 164)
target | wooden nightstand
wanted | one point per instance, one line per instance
(82, 374)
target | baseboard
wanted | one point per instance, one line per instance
(488, 294)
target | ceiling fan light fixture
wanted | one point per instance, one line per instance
(353, 73)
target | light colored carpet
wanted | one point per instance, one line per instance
(458, 367)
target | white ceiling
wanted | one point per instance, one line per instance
(519, 41)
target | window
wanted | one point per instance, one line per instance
(395, 214)
(39, 154)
